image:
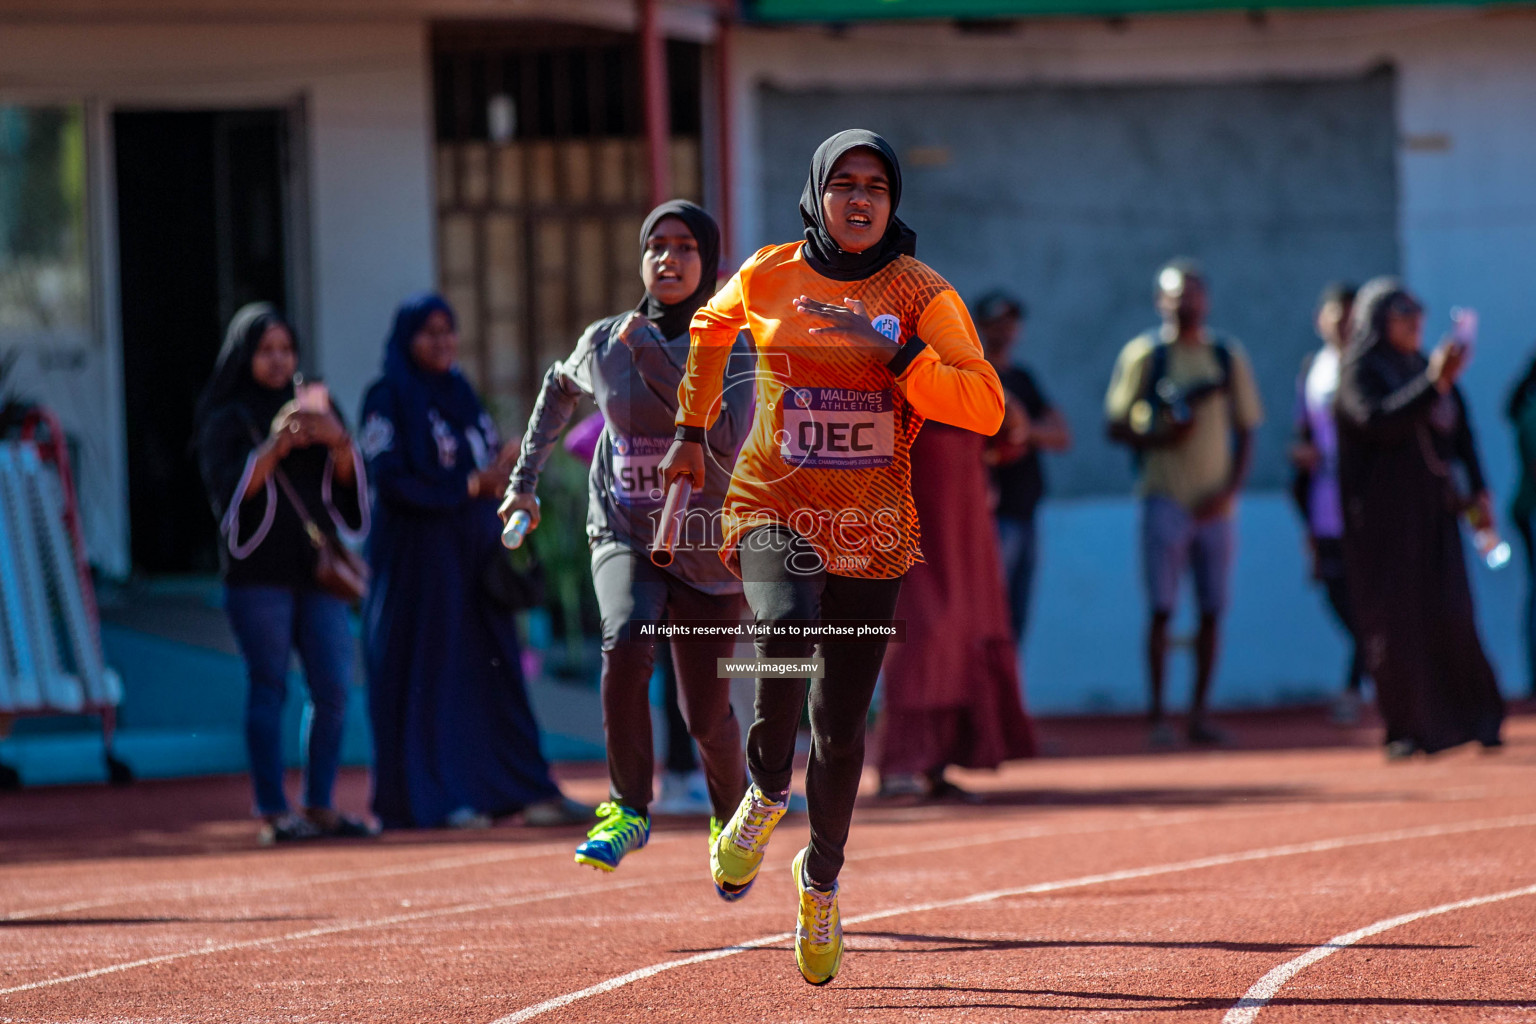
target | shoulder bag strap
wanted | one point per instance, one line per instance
(316, 536)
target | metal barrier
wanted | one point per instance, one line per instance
(50, 643)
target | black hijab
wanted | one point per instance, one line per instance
(821, 252)
(673, 320)
(1368, 321)
(232, 383)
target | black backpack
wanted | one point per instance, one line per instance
(1159, 397)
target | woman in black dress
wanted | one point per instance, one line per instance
(1408, 469)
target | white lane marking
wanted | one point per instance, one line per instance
(1267, 987)
(333, 929)
(1034, 831)
(1143, 820)
(182, 890)
(1127, 874)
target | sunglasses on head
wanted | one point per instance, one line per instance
(1404, 305)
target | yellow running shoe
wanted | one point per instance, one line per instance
(737, 851)
(818, 931)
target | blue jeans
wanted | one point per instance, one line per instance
(269, 623)
(1017, 545)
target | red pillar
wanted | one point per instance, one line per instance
(658, 130)
(726, 157)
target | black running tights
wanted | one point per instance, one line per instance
(785, 584)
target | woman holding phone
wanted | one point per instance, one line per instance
(265, 447)
(1408, 471)
(632, 364)
(857, 344)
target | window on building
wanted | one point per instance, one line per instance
(542, 185)
(45, 287)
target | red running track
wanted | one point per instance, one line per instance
(1274, 885)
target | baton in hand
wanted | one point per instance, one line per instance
(516, 529)
(671, 525)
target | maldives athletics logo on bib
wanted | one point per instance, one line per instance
(838, 428)
(888, 325)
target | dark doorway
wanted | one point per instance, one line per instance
(201, 232)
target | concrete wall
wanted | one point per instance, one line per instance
(1466, 232)
(366, 166)
(1075, 195)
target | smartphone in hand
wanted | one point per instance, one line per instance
(313, 396)
(1464, 328)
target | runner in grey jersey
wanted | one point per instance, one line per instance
(632, 364)
(633, 372)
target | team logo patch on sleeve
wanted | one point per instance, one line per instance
(447, 443)
(888, 325)
(376, 437)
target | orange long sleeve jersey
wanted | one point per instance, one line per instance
(828, 453)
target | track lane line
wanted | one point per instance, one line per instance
(1246, 1009)
(455, 910)
(642, 973)
(1034, 831)
(183, 890)
(1125, 874)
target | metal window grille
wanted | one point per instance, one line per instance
(538, 226)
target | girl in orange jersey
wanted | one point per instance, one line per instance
(857, 344)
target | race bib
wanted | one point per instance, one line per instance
(835, 428)
(637, 469)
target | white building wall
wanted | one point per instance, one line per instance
(365, 93)
(1467, 109)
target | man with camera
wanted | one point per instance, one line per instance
(1184, 400)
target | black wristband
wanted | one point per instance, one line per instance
(686, 433)
(904, 356)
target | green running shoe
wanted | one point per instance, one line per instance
(619, 831)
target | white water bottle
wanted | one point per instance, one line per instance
(516, 529)
(1493, 548)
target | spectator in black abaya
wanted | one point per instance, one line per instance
(1405, 445)
(1522, 511)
